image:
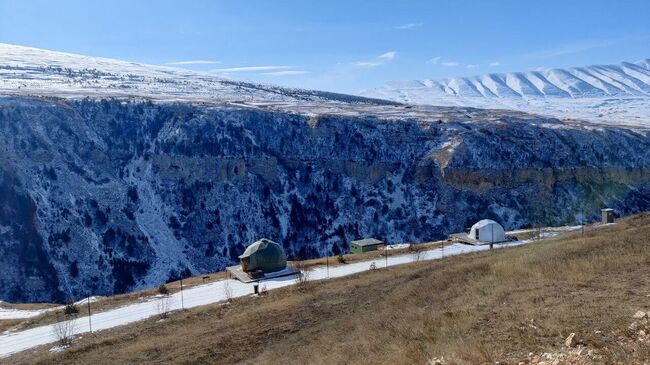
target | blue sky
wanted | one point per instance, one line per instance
(343, 46)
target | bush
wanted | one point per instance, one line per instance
(341, 259)
(64, 331)
(163, 306)
(70, 309)
(302, 277)
(162, 289)
(227, 290)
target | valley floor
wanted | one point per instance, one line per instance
(508, 305)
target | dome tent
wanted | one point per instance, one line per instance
(487, 230)
(263, 255)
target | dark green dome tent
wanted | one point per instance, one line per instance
(263, 255)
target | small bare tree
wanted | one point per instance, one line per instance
(64, 331)
(163, 305)
(227, 290)
(302, 277)
(417, 255)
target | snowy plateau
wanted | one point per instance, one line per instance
(116, 176)
(611, 94)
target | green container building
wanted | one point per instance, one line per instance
(365, 245)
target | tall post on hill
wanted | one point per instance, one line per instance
(386, 253)
(582, 220)
(182, 301)
(327, 262)
(90, 323)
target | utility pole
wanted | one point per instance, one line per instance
(386, 253)
(182, 302)
(90, 323)
(327, 263)
(583, 220)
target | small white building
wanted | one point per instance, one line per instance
(487, 231)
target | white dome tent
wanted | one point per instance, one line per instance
(487, 231)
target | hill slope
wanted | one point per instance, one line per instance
(604, 93)
(34, 71)
(498, 305)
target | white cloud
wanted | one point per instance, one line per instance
(408, 26)
(194, 62)
(471, 66)
(572, 48)
(495, 64)
(284, 73)
(435, 60)
(252, 69)
(388, 55)
(449, 63)
(380, 60)
(367, 64)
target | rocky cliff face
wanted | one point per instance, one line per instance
(105, 196)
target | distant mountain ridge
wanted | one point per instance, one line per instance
(625, 87)
(629, 79)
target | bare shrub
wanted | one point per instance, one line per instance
(227, 290)
(417, 255)
(163, 306)
(64, 331)
(302, 278)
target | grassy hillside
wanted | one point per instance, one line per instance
(498, 305)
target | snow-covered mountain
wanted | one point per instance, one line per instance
(116, 176)
(33, 71)
(605, 93)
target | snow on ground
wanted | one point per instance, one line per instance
(216, 292)
(92, 299)
(549, 230)
(11, 313)
(398, 246)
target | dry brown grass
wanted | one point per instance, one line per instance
(100, 305)
(491, 306)
(115, 301)
(367, 256)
